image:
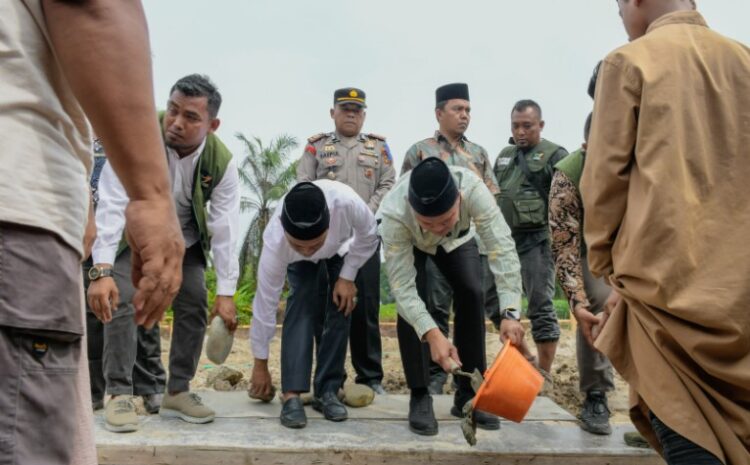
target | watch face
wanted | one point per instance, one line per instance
(93, 273)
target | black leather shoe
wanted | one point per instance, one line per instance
(331, 407)
(484, 420)
(293, 413)
(421, 415)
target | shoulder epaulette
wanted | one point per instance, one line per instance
(316, 137)
(376, 136)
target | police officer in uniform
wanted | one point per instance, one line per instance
(524, 172)
(363, 162)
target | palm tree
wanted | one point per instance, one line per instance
(267, 176)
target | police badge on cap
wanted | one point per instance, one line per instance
(350, 95)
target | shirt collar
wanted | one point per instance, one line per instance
(440, 138)
(678, 17)
(173, 153)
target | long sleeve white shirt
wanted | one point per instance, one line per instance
(222, 221)
(352, 233)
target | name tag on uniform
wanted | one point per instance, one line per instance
(504, 161)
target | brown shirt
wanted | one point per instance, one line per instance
(668, 220)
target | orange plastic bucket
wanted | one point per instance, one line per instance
(510, 386)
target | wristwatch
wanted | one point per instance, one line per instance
(96, 272)
(510, 314)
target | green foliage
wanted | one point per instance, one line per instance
(385, 288)
(243, 298)
(267, 176)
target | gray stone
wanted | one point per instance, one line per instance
(358, 395)
(219, 342)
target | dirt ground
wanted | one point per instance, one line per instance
(565, 373)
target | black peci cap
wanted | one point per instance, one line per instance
(432, 190)
(350, 95)
(450, 91)
(305, 214)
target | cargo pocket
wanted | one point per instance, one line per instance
(530, 213)
(47, 399)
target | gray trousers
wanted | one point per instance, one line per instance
(41, 328)
(538, 275)
(190, 308)
(593, 366)
(123, 359)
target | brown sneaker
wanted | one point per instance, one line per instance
(120, 416)
(186, 406)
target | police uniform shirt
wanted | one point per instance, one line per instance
(352, 233)
(363, 162)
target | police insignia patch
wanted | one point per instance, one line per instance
(386, 155)
(311, 150)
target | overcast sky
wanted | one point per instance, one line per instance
(277, 62)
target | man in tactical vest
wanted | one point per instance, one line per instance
(364, 163)
(524, 173)
(202, 170)
(449, 143)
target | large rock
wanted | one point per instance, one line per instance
(224, 373)
(358, 395)
(219, 342)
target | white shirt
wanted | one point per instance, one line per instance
(352, 233)
(222, 221)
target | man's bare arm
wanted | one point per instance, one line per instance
(103, 49)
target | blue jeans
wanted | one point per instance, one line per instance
(679, 450)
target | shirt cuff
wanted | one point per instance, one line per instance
(259, 349)
(104, 256)
(348, 272)
(225, 287)
(423, 324)
(510, 301)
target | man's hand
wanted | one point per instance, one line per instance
(588, 322)
(511, 330)
(612, 302)
(158, 247)
(344, 295)
(103, 297)
(442, 351)
(226, 310)
(261, 386)
(89, 235)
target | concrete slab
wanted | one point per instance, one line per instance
(249, 433)
(389, 407)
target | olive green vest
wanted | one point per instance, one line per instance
(523, 206)
(572, 167)
(210, 169)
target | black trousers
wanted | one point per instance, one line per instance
(309, 320)
(462, 269)
(364, 336)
